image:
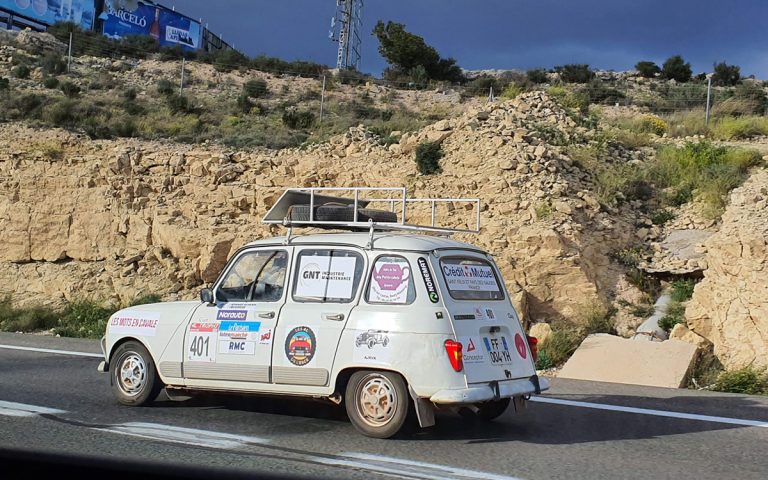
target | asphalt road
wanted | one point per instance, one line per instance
(51, 402)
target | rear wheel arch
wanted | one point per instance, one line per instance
(342, 378)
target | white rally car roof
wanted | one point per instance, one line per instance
(382, 241)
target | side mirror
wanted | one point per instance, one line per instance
(206, 295)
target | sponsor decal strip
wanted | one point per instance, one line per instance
(429, 282)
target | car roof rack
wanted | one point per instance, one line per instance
(396, 198)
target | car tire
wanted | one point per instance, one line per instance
(371, 343)
(373, 412)
(486, 411)
(337, 213)
(133, 375)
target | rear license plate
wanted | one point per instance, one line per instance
(498, 350)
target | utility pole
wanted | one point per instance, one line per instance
(709, 94)
(322, 101)
(69, 54)
(183, 64)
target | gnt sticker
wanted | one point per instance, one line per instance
(326, 277)
(300, 345)
(134, 323)
(201, 346)
(237, 347)
(429, 282)
(390, 282)
(372, 346)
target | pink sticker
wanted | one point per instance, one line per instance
(391, 276)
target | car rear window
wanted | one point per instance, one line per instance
(471, 279)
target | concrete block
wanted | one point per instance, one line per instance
(607, 358)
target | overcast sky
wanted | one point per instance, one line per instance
(509, 34)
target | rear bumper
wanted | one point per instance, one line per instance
(104, 365)
(493, 391)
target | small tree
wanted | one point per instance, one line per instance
(165, 87)
(21, 71)
(5, 84)
(575, 73)
(70, 89)
(255, 88)
(537, 75)
(428, 155)
(675, 68)
(647, 69)
(726, 75)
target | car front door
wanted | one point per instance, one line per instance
(231, 340)
(325, 286)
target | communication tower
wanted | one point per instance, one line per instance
(347, 30)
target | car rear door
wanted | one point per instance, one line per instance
(483, 318)
(325, 287)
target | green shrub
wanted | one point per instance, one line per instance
(653, 124)
(69, 89)
(244, 104)
(726, 75)
(543, 360)
(747, 380)
(53, 64)
(647, 69)
(575, 73)
(675, 68)
(26, 106)
(5, 84)
(351, 76)
(165, 87)
(682, 290)
(298, 119)
(84, 319)
(537, 75)
(570, 99)
(25, 319)
(660, 217)
(178, 103)
(481, 86)
(51, 82)
(687, 123)
(597, 318)
(601, 92)
(559, 346)
(739, 128)
(668, 322)
(428, 155)
(513, 90)
(146, 299)
(20, 71)
(256, 88)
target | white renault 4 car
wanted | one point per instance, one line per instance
(386, 321)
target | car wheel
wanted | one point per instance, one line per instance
(371, 342)
(133, 375)
(377, 403)
(486, 411)
(386, 341)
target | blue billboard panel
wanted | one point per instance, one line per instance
(168, 28)
(48, 12)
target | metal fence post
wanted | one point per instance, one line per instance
(183, 64)
(709, 93)
(69, 54)
(322, 101)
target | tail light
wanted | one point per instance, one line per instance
(453, 348)
(533, 344)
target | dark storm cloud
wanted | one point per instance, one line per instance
(609, 34)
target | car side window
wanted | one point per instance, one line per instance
(329, 276)
(391, 281)
(256, 276)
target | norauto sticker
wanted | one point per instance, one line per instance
(134, 323)
(429, 282)
(232, 315)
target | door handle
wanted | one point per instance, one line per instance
(267, 315)
(337, 317)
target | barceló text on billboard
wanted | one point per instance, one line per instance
(167, 27)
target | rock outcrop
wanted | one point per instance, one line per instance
(730, 306)
(121, 218)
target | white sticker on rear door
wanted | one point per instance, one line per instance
(326, 277)
(473, 350)
(478, 278)
(201, 344)
(134, 323)
(390, 281)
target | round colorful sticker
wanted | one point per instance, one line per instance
(300, 346)
(520, 345)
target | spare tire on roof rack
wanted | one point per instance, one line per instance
(340, 213)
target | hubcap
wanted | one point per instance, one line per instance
(132, 374)
(377, 402)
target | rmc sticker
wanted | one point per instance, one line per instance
(135, 323)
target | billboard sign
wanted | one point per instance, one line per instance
(49, 12)
(123, 18)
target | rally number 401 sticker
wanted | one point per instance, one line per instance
(202, 342)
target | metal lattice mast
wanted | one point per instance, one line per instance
(346, 29)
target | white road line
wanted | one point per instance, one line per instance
(187, 436)
(13, 409)
(48, 350)
(427, 470)
(647, 411)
